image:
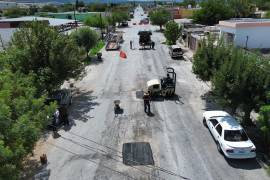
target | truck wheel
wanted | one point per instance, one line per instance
(204, 122)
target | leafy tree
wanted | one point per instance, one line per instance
(97, 21)
(262, 4)
(119, 17)
(15, 12)
(22, 118)
(264, 116)
(209, 57)
(40, 49)
(172, 32)
(241, 8)
(188, 2)
(267, 15)
(97, 7)
(212, 11)
(79, 4)
(66, 7)
(240, 82)
(49, 8)
(86, 38)
(32, 10)
(159, 17)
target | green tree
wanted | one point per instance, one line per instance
(66, 7)
(159, 17)
(15, 12)
(97, 21)
(97, 7)
(172, 32)
(51, 56)
(119, 17)
(49, 8)
(23, 116)
(264, 116)
(188, 2)
(210, 55)
(241, 8)
(267, 15)
(32, 10)
(212, 11)
(240, 82)
(86, 38)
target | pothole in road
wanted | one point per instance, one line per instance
(137, 153)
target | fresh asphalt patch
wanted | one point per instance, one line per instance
(137, 153)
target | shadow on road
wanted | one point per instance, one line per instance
(93, 60)
(247, 164)
(210, 104)
(82, 104)
(33, 168)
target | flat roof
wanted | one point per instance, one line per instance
(52, 21)
(245, 22)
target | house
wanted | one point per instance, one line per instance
(10, 25)
(246, 32)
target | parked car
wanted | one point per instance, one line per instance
(175, 51)
(230, 137)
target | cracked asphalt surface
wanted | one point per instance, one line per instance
(182, 147)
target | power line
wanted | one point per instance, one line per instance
(152, 167)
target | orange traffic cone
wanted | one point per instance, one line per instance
(123, 54)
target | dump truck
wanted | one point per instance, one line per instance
(114, 41)
(163, 87)
(145, 38)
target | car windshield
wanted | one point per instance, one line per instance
(235, 135)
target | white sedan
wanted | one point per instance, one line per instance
(229, 135)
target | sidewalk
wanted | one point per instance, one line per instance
(188, 54)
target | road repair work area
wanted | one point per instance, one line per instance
(111, 137)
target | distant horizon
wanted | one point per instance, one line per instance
(88, 1)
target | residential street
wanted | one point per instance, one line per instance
(91, 149)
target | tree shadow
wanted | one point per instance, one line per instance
(159, 30)
(33, 169)
(93, 60)
(83, 102)
(210, 103)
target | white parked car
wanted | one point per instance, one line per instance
(229, 135)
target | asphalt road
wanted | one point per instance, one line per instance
(182, 147)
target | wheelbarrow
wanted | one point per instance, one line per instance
(99, 56)
(117, 106)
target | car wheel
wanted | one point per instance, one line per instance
(204, 122)
(219, 148)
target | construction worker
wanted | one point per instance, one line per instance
(153, 45)
(146, 100)
(130, 43)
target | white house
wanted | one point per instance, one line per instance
(246, 32)
(9, 26)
